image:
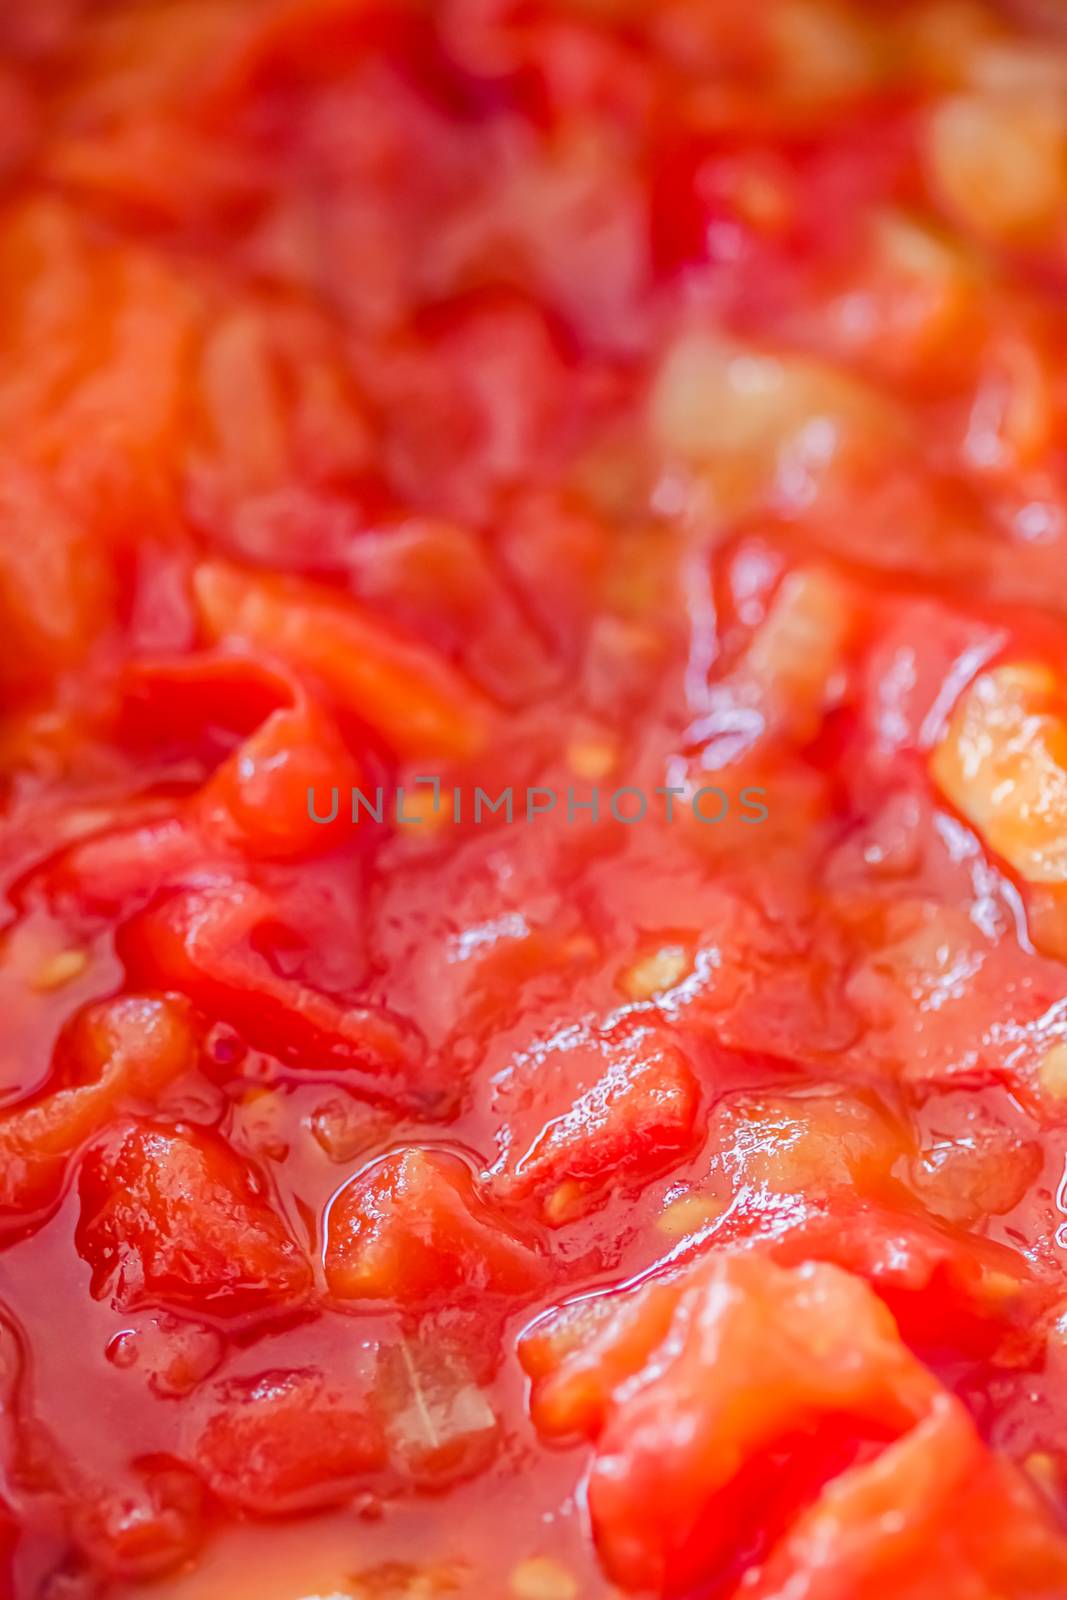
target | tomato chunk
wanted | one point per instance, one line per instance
(145, 1527)
(176, 1219)
(126, 1050)
(287, 1441)
(414, 1228)
(415, 701)
(724, 1401)
(633, 1113)
(963, 1523)
(214, 945)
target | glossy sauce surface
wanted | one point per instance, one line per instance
(650, 419)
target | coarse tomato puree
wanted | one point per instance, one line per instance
(657, 407)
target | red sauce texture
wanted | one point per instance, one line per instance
(533, 800)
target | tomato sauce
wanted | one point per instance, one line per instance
(533, 766)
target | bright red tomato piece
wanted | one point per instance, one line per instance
(284, 1442)
(414, 1228)
(174, 1218)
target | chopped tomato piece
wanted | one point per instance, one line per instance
(264, 796)
(930, 988)
(945, 1288)
(725, 1400)
(633, 1113)
(286, 792)
(116, 872)
(934, 1517)
(176, 1219)
(288, 1441)
(121, 1051)
(811, 1142)
(414, 1229)
(577, 1357)
(214, 945)
(145, 1528)
(755, 1359)
(411, 698)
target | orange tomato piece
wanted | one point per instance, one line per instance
(214, 944)
(417, 703)
(126, 1049)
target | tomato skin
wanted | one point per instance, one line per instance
(254, 801)
(211, 944)
(175, 1219)
(671, 1501)
(121, 1051)
(415, 702)
(414, 1229)
(260, 801)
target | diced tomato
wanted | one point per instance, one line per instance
(414, 1229)
(579, 1356)
(118, 1052)
(147, 1527)
(215, 946)
(264, 796)
(174, 1218)
(632, 1114)
(138, 1042)
(755, 1360)
(930, 987)
(692, 1386)
(946, 1289)
(983, 1171)
(960, 1523)
(161, 710)
(408, 696)
(814, 1142)
(286, 791)
(496, 396)
(286, 1442)
(113, 873)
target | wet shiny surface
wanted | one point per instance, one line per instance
(657, 410)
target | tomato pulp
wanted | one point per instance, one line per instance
(533, 714)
